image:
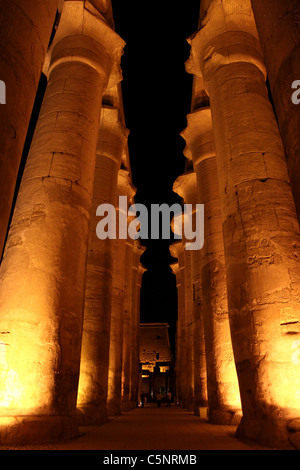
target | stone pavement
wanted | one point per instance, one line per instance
(153, 428)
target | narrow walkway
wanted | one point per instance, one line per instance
(153, 428)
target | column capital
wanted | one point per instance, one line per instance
(174, 267)
(176, 249)
(85, 36)
(125, 186)
(227, 35)
(113, 134)
(142, 269)
(186, 187)
(199, 136)
(138, 250)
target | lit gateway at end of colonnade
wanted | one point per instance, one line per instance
(187, 224)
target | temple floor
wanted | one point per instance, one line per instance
(153, 428)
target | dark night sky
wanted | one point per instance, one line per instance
(157, 96)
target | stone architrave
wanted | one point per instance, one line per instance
(26, 27)
(42, 276)
(260, 226)
(99, 339)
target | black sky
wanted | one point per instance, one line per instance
(157, 96)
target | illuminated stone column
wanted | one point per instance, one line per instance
(116, 330)
(177, 251)
(127, 330)
(261, 231)
(126, 189)
(200, 371)
(279, 33)
(26, 26)
(186, 186)
(175, 269)
(222, 384)
(117, 307)
(97, 343)
(189, 330)
(141, 270)
(42, 275)
(135, 322)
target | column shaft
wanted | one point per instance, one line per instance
(25, 34)
(94, 367)
(118, 306)
(127, 331)
(116, 330)
(279, 33)
(200, 371)
(176, 250)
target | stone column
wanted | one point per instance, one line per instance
(141, 270)
(279, 33)
(185, 186)
(127, 330)
(200, 370)
(42, 275)
(97, 343)
(117, 307)
(126, 189)
(177, 251)
(222, 384)
(261, 231)
(116, 330)
(135, 322)
(26, 26)
(175, 269)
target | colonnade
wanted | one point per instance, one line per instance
(249, 264)
(69, 301)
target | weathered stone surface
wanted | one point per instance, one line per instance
(261, 231)
(26, 26)
(294, 425)
(279, 34)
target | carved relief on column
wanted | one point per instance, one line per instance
(260, 226)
